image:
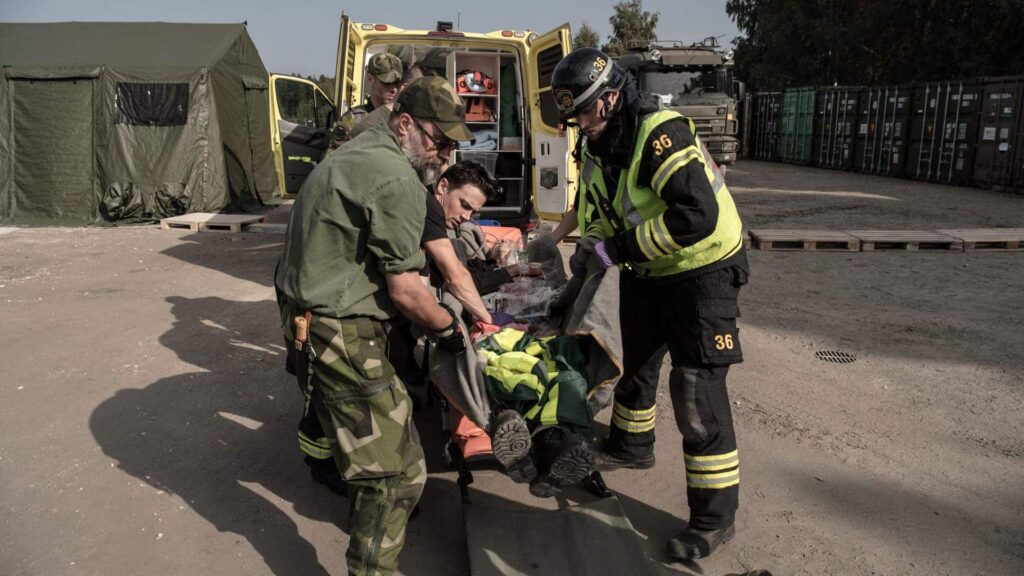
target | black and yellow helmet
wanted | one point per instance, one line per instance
(582, 77)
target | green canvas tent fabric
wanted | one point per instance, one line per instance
(107, 122)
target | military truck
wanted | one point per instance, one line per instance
(697, 81)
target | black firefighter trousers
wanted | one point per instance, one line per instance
(694, 319)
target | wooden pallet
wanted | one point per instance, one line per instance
(989, 239)
(815, 240)
(874, 240)
(208, 222)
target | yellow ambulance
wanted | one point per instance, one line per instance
(504, 78)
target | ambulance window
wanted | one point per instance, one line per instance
(144, 104)
(295, 102)
(546, 62)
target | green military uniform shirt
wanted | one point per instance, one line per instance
(358, 216)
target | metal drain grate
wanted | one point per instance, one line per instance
(835, 356)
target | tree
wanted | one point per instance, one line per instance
(789, 43)
(631, 26)
(586, 37)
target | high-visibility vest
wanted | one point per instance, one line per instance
(640, 210)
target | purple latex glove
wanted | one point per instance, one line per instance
(502, 319)
(577, 266)
(601, 252)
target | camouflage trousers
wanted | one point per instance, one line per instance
(366, 413)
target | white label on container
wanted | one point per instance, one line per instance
(989, 133)
(1004, 133)
(864, 128)
(959, 163)
(1004, 146)
(1008, 111)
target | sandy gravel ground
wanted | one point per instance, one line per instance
(147, 425)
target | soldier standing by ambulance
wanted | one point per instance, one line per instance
(383, 82)
(654, 203)
(351, 262)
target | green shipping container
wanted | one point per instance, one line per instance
(797, 131)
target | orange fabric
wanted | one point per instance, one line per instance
(472, 440)
(495, 234)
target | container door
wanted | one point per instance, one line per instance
(301, 128)
(1000, 116)
(554, 173)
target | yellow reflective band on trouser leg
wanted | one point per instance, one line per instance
(319, 448)
(633, 421)
(712, 463)
(715, 471)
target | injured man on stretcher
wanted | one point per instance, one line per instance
(532, 385)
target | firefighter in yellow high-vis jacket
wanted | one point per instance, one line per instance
(653, 203)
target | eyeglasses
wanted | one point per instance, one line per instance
(442, 143)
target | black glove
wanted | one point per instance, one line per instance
(451, 339)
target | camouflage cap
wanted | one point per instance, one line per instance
(433, 98)
(385, 67)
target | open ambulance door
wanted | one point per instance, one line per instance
(300, 128)
(348, 66)
(554, 172)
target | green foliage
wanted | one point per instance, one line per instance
(631, 26)
(586, 37)
(863, 42)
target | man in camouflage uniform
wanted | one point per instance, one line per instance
(351, 259)
(383, 82)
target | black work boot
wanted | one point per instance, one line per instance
(606, 461)
(326, 473)
(511, 443)
(692, 543)
(563, 458)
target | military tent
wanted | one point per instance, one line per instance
(106, 122)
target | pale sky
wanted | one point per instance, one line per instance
(301, 37)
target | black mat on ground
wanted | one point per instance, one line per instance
(505, 538)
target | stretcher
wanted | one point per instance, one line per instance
(586, 310)
(504, 537)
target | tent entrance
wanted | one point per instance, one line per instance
(53, 151)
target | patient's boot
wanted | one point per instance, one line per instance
(563, 459)
(511, 443)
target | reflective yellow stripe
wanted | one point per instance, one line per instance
(670, 244)
(511, 379)
(723, 480)
(633, 426)
(644, 414)
(549, 415)
(646, 244)
(671, 164)
(712, 465)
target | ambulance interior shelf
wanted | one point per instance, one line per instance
(489, 83)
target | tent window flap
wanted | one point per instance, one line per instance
(143, 104)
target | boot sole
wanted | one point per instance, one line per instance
(511, 445)
(567, 469)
